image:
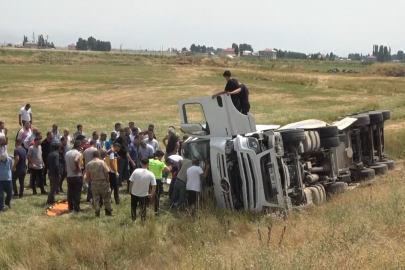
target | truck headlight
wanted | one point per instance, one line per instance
(253, 143)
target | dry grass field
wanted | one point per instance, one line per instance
(363, 229)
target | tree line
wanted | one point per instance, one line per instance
(42, 42)
(241, 48)
(290, 55)
(383, 53)
(93, 45)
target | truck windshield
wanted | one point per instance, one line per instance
(201, 149)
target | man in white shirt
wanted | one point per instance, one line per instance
(151, 141)
(146, 150)
(74, 176)
(55, 133)
(102, 140)
(140, 180)
(68, 139)
(25, 115)
(117, 128)
(193, 186)
(30, 138)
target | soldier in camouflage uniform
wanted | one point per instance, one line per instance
(97, 173)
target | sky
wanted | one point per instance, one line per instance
(340, 26)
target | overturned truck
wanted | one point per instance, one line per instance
(264, 167)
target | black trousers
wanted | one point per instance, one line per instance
(37, 179)
(20, 175)
(159, 191)
(192, 197)
(245, 108)
(62, 177)
(143, 201)
(54, 183)
(45, 170)
(114, 186)
(74, 192)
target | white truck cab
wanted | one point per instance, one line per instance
(248, 170)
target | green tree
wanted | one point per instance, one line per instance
(192, 48)
(386, 55)
(380, 55)
(400, 55)
(184, 49)
(331, 56)
(375, 50)
(235, 48)
(25, 40)
(203, 49)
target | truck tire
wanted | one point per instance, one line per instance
(316, 197)
(375, 117)
(386, 114)
(342, 137)
(292, 135)
(308, 196)
(307, 143)
(390, 164)
(362, 120)
(362, 175)
(312, 135)
(330, 142)
(336, 188)
(379, 168)
(322, 192)
(326, 132)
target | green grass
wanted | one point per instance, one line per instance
(360, 230)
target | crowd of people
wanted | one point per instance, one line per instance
(98, 165)
(101, 165)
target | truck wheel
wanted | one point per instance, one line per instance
(386, 114)
(342, 137)
(292, 135)
(326, 132)
(322, 192)
(375, 117)
(390, 164)
(379, 168)
(330, 142)
(336, 188)
(361, 175)
(307, 143)
(316, 197)
(308, 196)
(362, 120)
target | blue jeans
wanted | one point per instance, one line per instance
(179, 193)
(122, 170)
(7, 187)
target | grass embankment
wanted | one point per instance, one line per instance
(360, 230)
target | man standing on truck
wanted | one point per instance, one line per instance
(231, 88)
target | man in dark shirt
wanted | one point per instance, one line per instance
(54, 172)
(244, 99)
(62, 152)
(46, 149)
(123, 157)
(232, 88)
(19, 168)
